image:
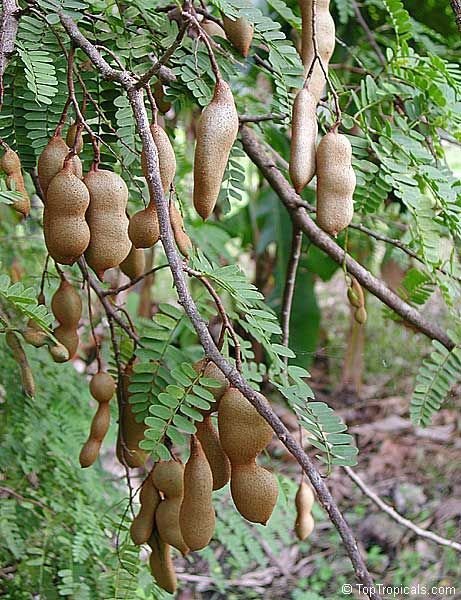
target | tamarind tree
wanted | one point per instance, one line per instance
(173, 179)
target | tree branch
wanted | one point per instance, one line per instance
(9, 22)
(136, 100)
(256, 151)
(429, 535)
(456, 6)
(288, 292)
(369, 34)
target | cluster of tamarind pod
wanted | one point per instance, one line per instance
(331, 160)
(10, 164)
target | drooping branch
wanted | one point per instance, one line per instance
(9, 22)
(136, 100)
(256, 151)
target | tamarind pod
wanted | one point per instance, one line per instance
(240, 33)
(304, 131)
(217, 459)
(27, 378)
(34, 334)
(167, 477)
(304, 501)
(67, 234)
(216, 133)
(102, 387)
(10, 163)
(166, 157)
(106, 217)
(68, 338)
(159, 96)
(144, 229)
(181, 238)
(66, 305)
(325, 35)
(101, 422)
(59, 353)
(360, 315)
(51, 161)
(70, 138)
(355, 294)
(161, 564)
(254, 491)
(335, 183)
(167, 523)
(197, 516)
(242, 430)
(89, 452)
(211, 371)
(134, 264)
(213, 28)
(143, 524)
(130, 432)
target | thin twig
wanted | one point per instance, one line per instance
(288, 292)
(132, 282)
(398, 517)
(369, 34)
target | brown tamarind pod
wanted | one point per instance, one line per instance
(159, 95)
(66, 305)
(144, 229)
(143, 524)
(99, 427)
(68, 338)
(102, 386)
(197, 516)
(106, 216)
(335, 183)
(325, 36)
(27, 378)
(304, 131)
(59, 352)
(161, 564)
(51, 161)
(216, 133)
(212, 28)
(304, 500)
(70, 138)
(181, 238)
(34, 334)
(10, 163)
(211, 371)
(67, 234)
(360, 315)
(89, 453)
(130, 432)
(217, 459)
(134, 264)
(254, 491)
(166, 157)
(240, 33)
(168, 478)
(242, 430)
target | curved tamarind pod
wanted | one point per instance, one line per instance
(161, 565)
(89, 453)
(159, 95)
(134, 264)
(254, 491)
(66, 305)
(325, 35)
(27, 378)
(166, 157)
(59, 353)
(168, 478)
(67, 234)
(335, 183)
(144, 229)
(143, 524)
(240, 33)
(197, 516)
(304, 501)
(68, 338)
(216, 133)
(70, 138)
(109, 242)
(217, 459)
(99, 427)
(51, 161)
(213, 28)
(304, 131)
(10, 163)
(102, 386)
(181, 238)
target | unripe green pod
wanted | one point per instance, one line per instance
(240, 33)
(325, 36)
(360, 315)
(335, 183)
(109, 244)
(304, 131)
(216, 133)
